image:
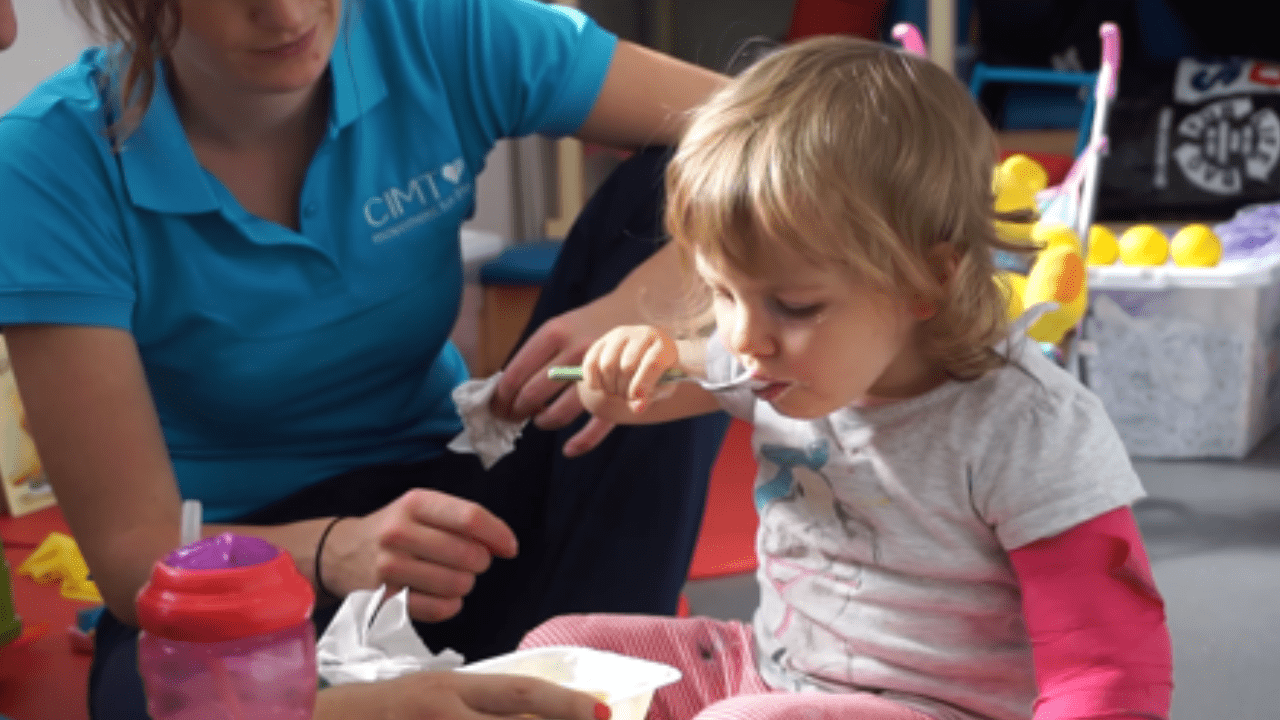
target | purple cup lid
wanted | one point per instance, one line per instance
(223, 588)
(222, 552)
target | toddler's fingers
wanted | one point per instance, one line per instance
(591, 367)
(646, 383)
(607, 363)
(631, 352)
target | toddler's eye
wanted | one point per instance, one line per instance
(798, 311)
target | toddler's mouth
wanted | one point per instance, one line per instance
(769, 390)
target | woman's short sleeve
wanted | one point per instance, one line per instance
(65, 260)
(526, 66)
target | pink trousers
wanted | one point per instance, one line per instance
(717, 660)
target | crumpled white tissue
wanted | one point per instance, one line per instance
(483, 434)
(370, 640)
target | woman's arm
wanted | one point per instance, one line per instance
(646, 98)
(91, 417)
(95, 427)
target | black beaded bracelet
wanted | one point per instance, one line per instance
(324, 535)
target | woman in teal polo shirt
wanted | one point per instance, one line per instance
(230, 268)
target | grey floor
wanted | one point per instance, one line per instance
(1212, 529)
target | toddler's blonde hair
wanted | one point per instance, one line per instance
(855, 153)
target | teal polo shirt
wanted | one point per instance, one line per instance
(279, 358)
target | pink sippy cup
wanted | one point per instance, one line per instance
(227, 634)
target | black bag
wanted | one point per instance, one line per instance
(1198, 143)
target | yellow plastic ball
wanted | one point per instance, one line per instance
(1196, 245)
(1143, 245)
(1103, 247)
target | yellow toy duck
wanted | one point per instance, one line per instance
(1056, 285)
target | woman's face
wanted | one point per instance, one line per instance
(262, 46)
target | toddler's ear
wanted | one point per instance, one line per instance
(923, 308)
(943, 262)
(943, 259)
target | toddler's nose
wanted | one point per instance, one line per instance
(748, 335)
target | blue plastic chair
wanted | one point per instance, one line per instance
(527, 263)
(984, 73)
(1161, 35)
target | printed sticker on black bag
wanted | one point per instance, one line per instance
(1202, 145)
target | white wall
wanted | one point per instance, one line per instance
(50, 35)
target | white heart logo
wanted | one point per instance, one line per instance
(453, 170)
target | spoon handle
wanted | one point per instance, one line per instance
(573, 373)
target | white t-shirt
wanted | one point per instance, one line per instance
(884, 532)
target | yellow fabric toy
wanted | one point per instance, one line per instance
(1057, 275)
(58, 559)
(1015, 183)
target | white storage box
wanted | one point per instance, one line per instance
(626, 684)
(1184, 359)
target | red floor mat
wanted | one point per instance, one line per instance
(43, 679)
(726, 543)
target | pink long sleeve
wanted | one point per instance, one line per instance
(1097, 623)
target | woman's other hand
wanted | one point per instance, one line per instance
(456, 696)
(525, 390)
(430, 542)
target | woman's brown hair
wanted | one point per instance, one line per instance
(139, 33)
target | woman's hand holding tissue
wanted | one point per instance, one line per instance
(525, 389)
(456, 696)
(430, 542)
(655, 288)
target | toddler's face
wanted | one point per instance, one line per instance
(819, 339)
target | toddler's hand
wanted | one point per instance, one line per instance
(626, 366)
